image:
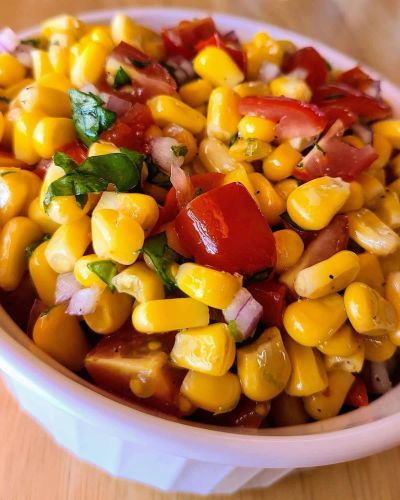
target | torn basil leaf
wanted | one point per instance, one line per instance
(105, 270)
(157, 176)
(233, 330)
(121, 78)
(259, 276)
(161, 255)
(89, 116)
(139, 64)
(33, 42)
(233, 139)
(32, 247)
(179, 150)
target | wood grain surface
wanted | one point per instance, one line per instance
(32, 467)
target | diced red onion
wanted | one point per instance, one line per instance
(363, 132)
(66, 286)
(337, 129)
(163, 155)
(245, 311)
(83, 301)
(183, 69)
(268, 71)
(374, 89)
(89, 87)
(299, 73)
(379, 378)
(116, 104)
(8, 40)
(24, 55)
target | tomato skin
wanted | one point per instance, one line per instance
(76, 150)
(312, 62)
(182, 39)
(356, 78)
(225, 229)
(272, 296)
(357, 395)
(236, 53)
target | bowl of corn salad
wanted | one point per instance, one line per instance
(199, 246)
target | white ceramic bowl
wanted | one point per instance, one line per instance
(179, 456)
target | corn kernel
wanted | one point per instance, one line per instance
(11, 70)
(140, 282)
(395, 164)
(38, 215)
(342, 343)
(42, 275)
(102, 35)
(379, 349)
(272, 205)
(285, 187)
(102, 148)
(370, 271)
(240, 175)
(372, 188)
(184, 137)
(254, 127)
(41, 64)
(223, 115)
(353, 363)
(249, 150)
(262, 50)
(290, 86)
(390, 263)
(55, 81)
(383, 148)
(89, 64)
(214, 155)
(256, 87)
(387, 208)
(377, 173)
(217, 67)
(84, 275)
(288, 410)
(392, 294)
(112, 311)
(196, 92)
(166, 109)
(62, 24)
(52, 133)
(281, 162)
(59, 59)
(23, 144)
(49, 101)
(289, 249)
(390, 129)
(356, 199)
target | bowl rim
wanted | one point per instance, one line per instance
(218, 445)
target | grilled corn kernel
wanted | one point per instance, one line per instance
(112, 310)
(196, 92)
(52, 133)
(262, 50)
(272, 205)
(390, 129)
(214, 155)
(116, 235)
(313, 204)
(210, 393)
(47, 100)
(342, 343)
(379, 349)
(254, 127)
(370, 271)
(372, 188)
(156, 316)
(217, 67)
(353, 363)
(15, 236)
(55, 81)
(89, 64)
(285, 187)
(37, 214)
(41, 64)
(392, 294)
(383, 148)
(368, 312)
(288, 410)
(68, 244)
(84, 275)
(290, 86)
(208, 350)
(42, 275)
(302, 319)
(213, 288)
(23, 145)
(223, 115)
(356, 199)
(387, 208)
(308, 372)
(61, 337)
(62, 24)
(368, 231)
(264, 366)
(166, 109)
(11, 70)
(184, 137)
(327, 403)
(240, 175)
(249, 150)
(328, 276)
(289, 249)
(255, 87)
(140, 282)
(280, 163)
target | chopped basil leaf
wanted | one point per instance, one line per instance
(157, 176)
(319, 148)
(32, 247)
(171, 70)
(161, 255)
(333, 96)
(139, 64)
(33, 42)
(180, 150)
(300, 164)
(198, 192)
(7, 172)
(105, 270)
(89, 116)
(233, 139)
(259, 276)
(233, 330)
(121, 78)
(5, 99)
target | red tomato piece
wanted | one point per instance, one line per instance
(357, 395)
(225, 229)
(357, 78)
(235, 52)
(272, 296)
(295, 118)
(312, 62)
(76, 150)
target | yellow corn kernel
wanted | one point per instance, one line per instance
(10, 117)
(313, 204)
(11, 70)
(368, 312)
(68, 244)
(84, 275)
(353, 363)
(395, 166)
(102, 35)
(223, 115)
(288, 410)
(61, 337)
(116, 235)
(55, 81)
(217, 67)
(356, 199)
(256, 87)
(249, 150)
(141, 207)
(196, 92)
(379, 349)
(12, 91)
(240, 175)
(210, 393)
(377, 173)
(42, 275)
(264, 366)
(285, 187)
(140, 282)
(302, 319)
(47, 100)
(383, 148)
(185, 137)
(89, 64)
(213, 288)
(254, 127)
(342, 343)
(166, 110)
(214, 155)
(157, 316)
(280, 163)
(390, 263)
(261, 50)
(37, 214)
(387, 208)
(392, 294)
(52, 133)
(41, 64)
(290, 86)
(208, 350)
(289, 249)
(395, 186)
(370, 271)
(15, 236)
(308, 374)
(23, 145)
(153, 131)
(59, 59)
(328, 276)
(62, 24)
(390, 129)
(272, 205)
(368, 231)
(112, 310)
(327, 403)
(371, 186)
(125, 29)
(102, 148)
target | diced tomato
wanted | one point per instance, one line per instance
(294, 118)
(183, 38)
(271, 295)
(225, 229)
(356, 78)
(357, 395)
(312, 62)
(235, 52)
(41, 167)
(76, 150)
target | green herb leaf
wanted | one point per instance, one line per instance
(233, 330)
(33, 42)
(65, 162)
(157, 176)
(333, 96)
(259, 276)
(161, 256)
(7, 172)
(121, 78)
(319, 148)
(139, 64)
(89, 116)
(105, 270)
(5, 99)
(233, 139)
(32, 247)
(179, 150)
(198, 192)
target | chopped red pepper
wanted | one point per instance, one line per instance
(356, 78)
(357, 395)
(76, 150)
(312, 62)
(271, 295)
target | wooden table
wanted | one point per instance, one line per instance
(32, 467)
